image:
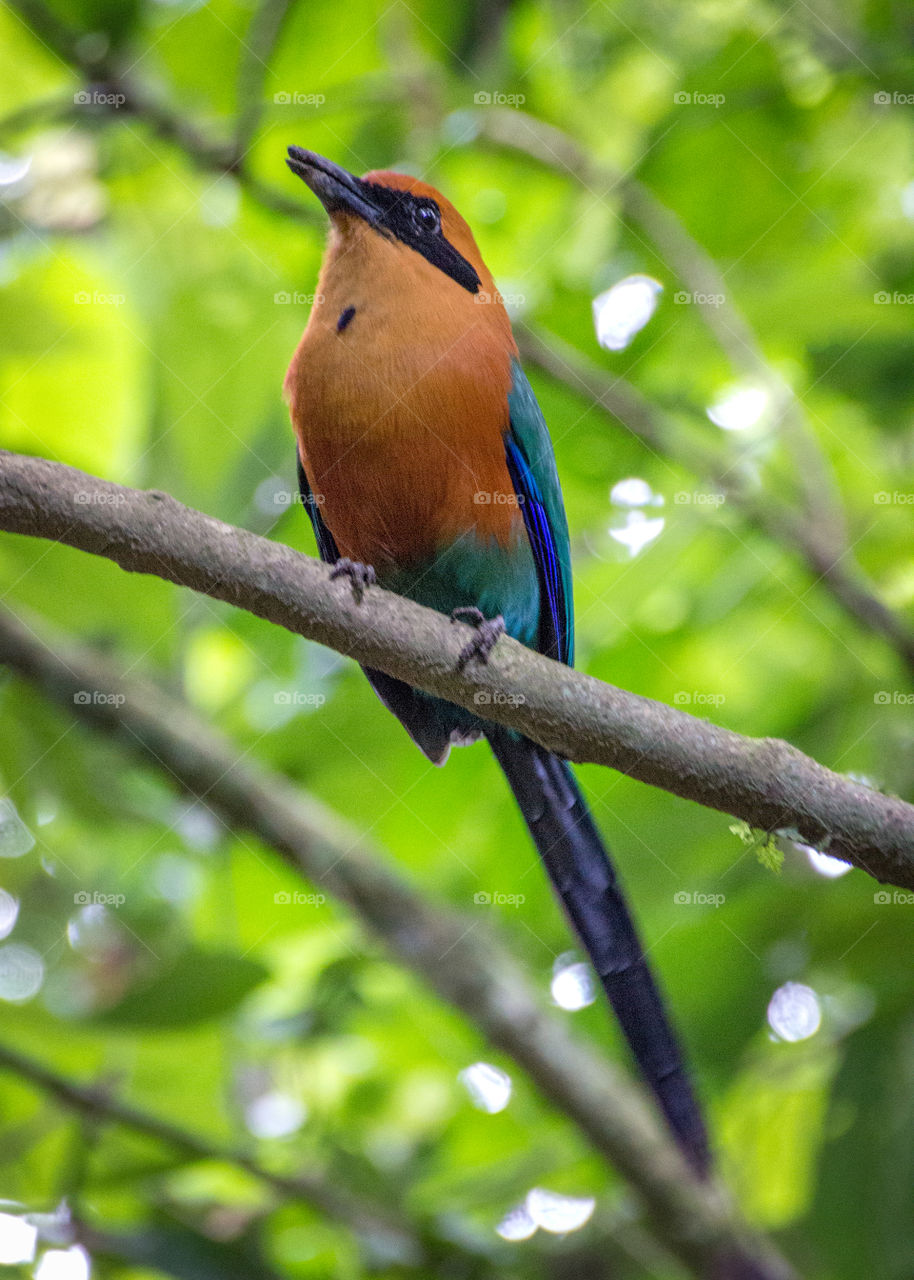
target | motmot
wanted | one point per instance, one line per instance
(425, 465)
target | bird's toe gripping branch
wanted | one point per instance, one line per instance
(360, 575)
(488, 631)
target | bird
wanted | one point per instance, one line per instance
(426, 466)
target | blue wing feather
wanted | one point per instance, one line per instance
(531, 464)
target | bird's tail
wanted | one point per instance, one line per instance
(580, 870)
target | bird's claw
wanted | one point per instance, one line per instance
(488, 631)
(360, 575)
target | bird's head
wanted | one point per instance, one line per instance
(401, 211)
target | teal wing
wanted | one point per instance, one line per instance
(531, 463)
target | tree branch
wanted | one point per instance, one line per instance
(362, 1217)
(258, 46)
(207, 153)
(766, 782)
(464, 965)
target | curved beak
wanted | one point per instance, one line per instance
(336, 188)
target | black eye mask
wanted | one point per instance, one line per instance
(416, 221)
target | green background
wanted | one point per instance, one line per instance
(141, 339)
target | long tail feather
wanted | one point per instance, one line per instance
(580, 870)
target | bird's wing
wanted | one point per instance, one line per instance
(531, 464)
(326, 547)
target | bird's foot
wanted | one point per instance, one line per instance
(488, 631)
(360, 575)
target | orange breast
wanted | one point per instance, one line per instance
(400, 417)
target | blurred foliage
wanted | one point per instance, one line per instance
(144, 332)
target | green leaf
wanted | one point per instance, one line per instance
(762, 843)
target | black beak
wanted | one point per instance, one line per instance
(334, 187)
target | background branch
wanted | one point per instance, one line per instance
(465, 967)
(818, 530)
(766, 782)
(97, 1101)
(263, 35)
(225, 155)
(699, 272)
(831, 564)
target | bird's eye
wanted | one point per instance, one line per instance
(426, 218)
